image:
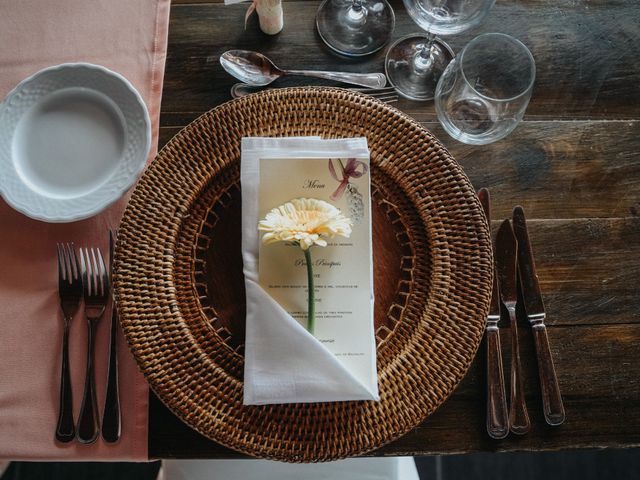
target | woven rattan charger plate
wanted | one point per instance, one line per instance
(181, 297)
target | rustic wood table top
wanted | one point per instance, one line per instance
(573, 164)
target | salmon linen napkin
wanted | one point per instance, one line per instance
(129, 37)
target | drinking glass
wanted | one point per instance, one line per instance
(355, 27)
(484, 92)
(415, 63)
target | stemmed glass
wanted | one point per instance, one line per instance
(415, 63)
(355, 27)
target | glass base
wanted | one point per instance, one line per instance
(356, 28)
(472, 120)
(411, 80)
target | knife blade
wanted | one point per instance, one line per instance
(554, 413)
(531, 294)
(497, 413)
(494, 306)
(507, 257)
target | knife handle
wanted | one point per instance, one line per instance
(111, 418)
(551, 398)
(497, 414)
(518, 416)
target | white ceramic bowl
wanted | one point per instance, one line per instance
(73, 139)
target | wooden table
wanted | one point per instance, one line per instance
(573, 164)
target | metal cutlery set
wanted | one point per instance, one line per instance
(83, 275)
(514, 267)
(256, 71)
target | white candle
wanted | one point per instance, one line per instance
(270, 16)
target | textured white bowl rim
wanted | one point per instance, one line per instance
(75, 216)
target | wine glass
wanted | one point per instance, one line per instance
(484, 92)
(355, 27)
(415, 63)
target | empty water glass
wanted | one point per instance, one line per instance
(485, 90)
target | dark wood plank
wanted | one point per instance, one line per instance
(588, 269)
(565, 465)
(598, 377)
(588, 63)
(554, 169)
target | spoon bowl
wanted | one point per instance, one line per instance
(252, 68)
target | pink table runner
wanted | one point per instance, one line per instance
(129, 37)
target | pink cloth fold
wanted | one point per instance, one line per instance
(129, 37)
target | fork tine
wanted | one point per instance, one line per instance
(67, 263)
(104, 279)
(91, 261)
(99, 271)
(85, 273)
(68, 253)
(94, 273)
(61, 269)
(73, 259)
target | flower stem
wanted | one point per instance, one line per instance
(311, 312)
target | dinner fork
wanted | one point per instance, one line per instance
(96, 294)
(70, 290)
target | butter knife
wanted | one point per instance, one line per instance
(533, 305)
(111, 415)
(497, 413)
(506, 256)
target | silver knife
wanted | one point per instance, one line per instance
(111, 416)
(551, 398)
(497, 414)
(506, 257)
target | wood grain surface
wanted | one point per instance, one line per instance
(573, 164)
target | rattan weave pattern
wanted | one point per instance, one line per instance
(187, 362)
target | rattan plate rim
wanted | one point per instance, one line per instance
(150, 314)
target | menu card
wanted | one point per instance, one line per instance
(342, 269)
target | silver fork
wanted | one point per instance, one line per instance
(96, 294)
(385, 94)
(70, 290)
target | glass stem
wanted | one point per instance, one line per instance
(423, 59)
(311, 311)
(357, 14)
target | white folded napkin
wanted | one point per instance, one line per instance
(283, 362)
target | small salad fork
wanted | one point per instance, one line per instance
(70, 290)
(96, 294)
(384, 94)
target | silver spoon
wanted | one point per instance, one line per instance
(257, 70)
